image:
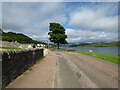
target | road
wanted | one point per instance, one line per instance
(75, 70)
(69, 70)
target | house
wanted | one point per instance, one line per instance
(42, 45)
(38, 45)
(30, 46)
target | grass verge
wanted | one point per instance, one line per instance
(9, 48)
(106, 57)
(30, 68)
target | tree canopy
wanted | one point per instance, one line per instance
(57, 34)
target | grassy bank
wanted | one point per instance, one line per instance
(8, 48)
(106, 57)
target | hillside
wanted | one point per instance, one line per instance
(101, 44)
(77, 45)
(21, 38)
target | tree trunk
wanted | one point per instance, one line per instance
(58, 45)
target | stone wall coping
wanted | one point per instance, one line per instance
(20, 50)
(15, 62)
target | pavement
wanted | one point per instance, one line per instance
(39, 77)
(0, 73)
(69, 70)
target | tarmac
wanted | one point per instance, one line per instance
(69, 70)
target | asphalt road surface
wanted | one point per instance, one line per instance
(69, 70)
(75, 70)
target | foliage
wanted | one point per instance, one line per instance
(106, 57)
(21, 38)
(34, 46)
(68, 50)
(57, 34)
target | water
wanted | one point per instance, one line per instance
(104, 50)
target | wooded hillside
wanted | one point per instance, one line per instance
(21, 38)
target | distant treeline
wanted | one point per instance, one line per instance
(21, 38)
(100, 44)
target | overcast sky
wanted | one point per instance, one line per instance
(83, 21)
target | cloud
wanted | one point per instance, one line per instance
(99, 17)
(31, 18)
(60, 1)
(90, 36)
(34, 1)
(42, 37)
(84, 21)
(0, 14)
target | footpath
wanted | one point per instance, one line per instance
(40, 76)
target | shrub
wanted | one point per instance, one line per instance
(34, 46)
(71, 50)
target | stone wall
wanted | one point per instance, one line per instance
(15, 62)
(14, 45)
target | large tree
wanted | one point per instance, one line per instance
(57, 34)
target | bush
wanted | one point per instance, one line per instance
(34, 46)
(71, 50)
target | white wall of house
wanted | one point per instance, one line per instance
(46, 51)
(30, 46)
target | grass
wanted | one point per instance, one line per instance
(30, 68)
(39, 60)
(9, 48)
(106, 57)
(24, 73)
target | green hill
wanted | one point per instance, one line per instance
(103, 44)
(21, 38)
(100, 44)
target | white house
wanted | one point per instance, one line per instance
(29, 46)
(38, 45)
(42, 45)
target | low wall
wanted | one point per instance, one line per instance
(16, 62)
(14, 45)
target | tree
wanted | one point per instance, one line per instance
(57, 34)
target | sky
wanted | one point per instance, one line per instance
(83, 21)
